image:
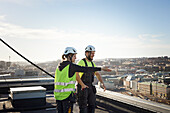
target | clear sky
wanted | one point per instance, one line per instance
(42, 29)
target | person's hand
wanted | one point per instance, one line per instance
(84, 86)
(106, 69)
(103, 86)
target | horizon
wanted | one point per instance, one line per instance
(80, 59)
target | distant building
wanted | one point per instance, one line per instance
(156, 89)
(8, 64)
(134, 85)
(126, 81)
(167, 68)
(141, 71)
(116, 81)
(128, 62)
(155, 68)
(166, 80)
(31, 73)
(2, 64)
(145, 87)
(19, 72)
(161, 90)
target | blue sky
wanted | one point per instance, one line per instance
(41, 29)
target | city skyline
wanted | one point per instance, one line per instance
(42, 29)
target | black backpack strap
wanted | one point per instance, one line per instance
(85, 65)
(92, 64)
(85, 62)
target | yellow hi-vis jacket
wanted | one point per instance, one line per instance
(63, 84)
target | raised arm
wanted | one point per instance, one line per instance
(77, 68)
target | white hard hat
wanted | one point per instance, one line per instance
(90, 48)
(70, 50)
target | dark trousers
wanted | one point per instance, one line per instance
(64, 106)
(86, 100)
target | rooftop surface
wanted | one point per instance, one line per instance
(6, 106)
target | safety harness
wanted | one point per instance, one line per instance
(88, 77)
